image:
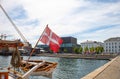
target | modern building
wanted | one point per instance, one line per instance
(91, 44)
(68, 44)
(112, 45)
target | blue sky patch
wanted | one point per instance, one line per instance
(104, 1)
(79, 10)
(114, 14)
(18, 13)
(34, 22)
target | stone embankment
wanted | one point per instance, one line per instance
(82, 56)
(110, 70)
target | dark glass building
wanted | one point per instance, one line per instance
(68, 44)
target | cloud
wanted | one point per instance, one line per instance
(103, 33)
(83, 19)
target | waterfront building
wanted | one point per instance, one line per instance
(112, 45)
(90, 44)
(68, 44)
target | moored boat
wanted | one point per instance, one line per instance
(46, 69)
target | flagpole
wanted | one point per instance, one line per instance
(36, 44)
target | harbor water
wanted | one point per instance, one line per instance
(66, 69)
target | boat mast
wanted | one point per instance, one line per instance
(18, 31)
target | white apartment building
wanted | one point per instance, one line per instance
(90, 44)
(112, 45)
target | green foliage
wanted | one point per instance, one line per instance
(92, 49)
(75, 49)
(99, 49)
(80, 50)
(86, 49)
(65, 50)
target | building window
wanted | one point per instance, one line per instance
(67, 45)
(112, 47)
(112, 50)
(106, 50)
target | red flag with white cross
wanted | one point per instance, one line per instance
(50, 38)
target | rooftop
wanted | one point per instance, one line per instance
(113, 39)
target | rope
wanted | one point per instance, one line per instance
(16, 60)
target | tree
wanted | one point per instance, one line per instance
(76, 49)
(92, 49)
(80, 50)
(99, 49)
(86, 50)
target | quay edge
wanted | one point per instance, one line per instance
(110, 70)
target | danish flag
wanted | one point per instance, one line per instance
(50, 38)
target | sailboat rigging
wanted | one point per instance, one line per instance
(30, 67)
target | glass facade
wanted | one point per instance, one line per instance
(68, 44)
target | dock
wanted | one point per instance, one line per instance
(110, 70)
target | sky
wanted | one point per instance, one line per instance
(94, 20)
